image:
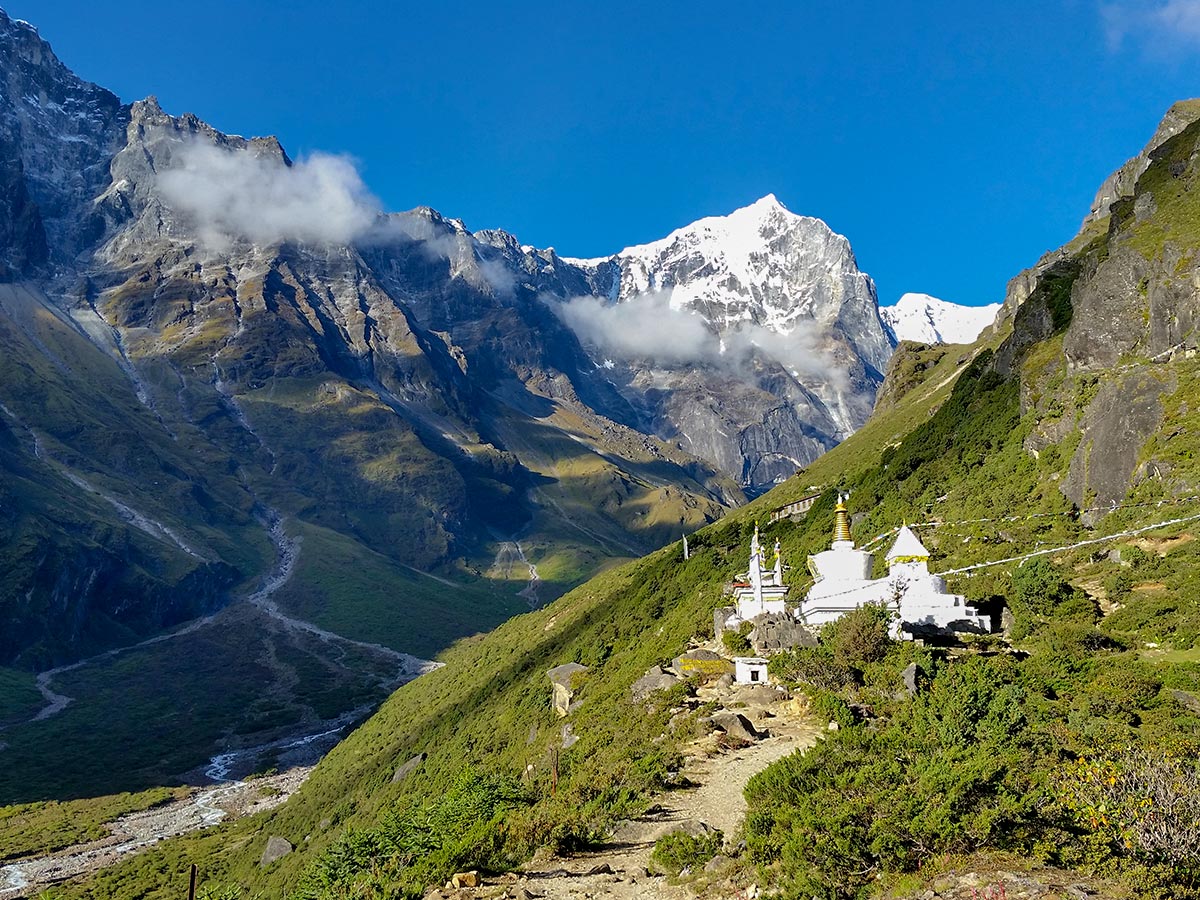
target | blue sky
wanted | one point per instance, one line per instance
(952, 143)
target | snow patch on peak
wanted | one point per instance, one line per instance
(928, 320)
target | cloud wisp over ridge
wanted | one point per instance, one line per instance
(240, 194)
(648, 328)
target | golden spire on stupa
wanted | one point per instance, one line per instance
(841, 521)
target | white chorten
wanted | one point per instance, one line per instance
(844, 582)
(843, 577)
(924, 604)
(760, 590)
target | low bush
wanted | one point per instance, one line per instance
(735, 642)
(679, 850)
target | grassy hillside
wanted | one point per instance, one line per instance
(952, 448)
(1061, 447)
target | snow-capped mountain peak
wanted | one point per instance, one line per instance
(759, 265)
(928, 320)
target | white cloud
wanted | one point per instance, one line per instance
(1158, 26)
(642, 328)
(238, 194)
(647, 328)
(232, 194)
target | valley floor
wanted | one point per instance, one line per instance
(137, 831)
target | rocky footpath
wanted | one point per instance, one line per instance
(719, 764)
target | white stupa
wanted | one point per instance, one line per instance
(760, 590)
(919, 597)
(924, 604)
(843, 577)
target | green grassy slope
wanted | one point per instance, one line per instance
(957, 448)
(996, 756)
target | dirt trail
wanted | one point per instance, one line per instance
(617, 871)
(511, 554)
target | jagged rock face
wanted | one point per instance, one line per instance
(760, 264)
(1121, 183)
(1124, 414)
(1124, 295)
(761, 272)
(1142, 298)
(758, 278)
(57, 135)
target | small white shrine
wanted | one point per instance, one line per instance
(844, 582)
(750, 670)
(760, 590)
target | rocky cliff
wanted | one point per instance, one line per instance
(270, 344)
(1123, 298)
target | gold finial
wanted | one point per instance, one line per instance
(841, 521)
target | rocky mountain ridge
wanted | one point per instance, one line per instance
(215, 357)
(799, 348)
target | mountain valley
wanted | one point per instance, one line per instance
(1001, 452)
(286, 480)
(398, 431)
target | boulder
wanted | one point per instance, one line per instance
(718, 864)
(735, 725)
(720, 616)
(705, 664)
(655, 679)
(276, 848)
(465, 879)
(911, 676)
(563, 680)
(759, 694)
(1188, 701)
(569, 737)
(772, 633)
(407, 768)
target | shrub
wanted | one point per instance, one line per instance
(829, 707)
(811, 666)
(1136, 557)
(951, 772)
(736, 642)
(1141, 802)
(1118, 585)
(410, 848)
(860, 636)
(679, 850)
(1039, 587)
